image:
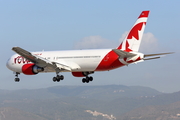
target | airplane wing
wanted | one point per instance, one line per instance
(40, 61)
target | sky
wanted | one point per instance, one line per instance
(64, 25)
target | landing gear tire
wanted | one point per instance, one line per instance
(84, 80)
(62, 77)
(87, 81)
(58, 80)
(16, 79)
(54, 79)
(90, 78)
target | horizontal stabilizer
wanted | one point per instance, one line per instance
(151, 58)
(149, 55)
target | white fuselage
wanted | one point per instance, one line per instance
(82, 60)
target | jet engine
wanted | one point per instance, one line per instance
(31, 69)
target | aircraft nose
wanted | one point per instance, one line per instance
(8, 63)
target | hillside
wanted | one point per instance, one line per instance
(9, 113)
(165, 112)
(85, 102)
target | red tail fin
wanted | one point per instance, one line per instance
(133, 38)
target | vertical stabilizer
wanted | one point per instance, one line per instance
(134, 37)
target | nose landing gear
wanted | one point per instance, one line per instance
(17, 79)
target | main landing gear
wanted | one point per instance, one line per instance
(17, 79)
(87, 79)
(58, 78)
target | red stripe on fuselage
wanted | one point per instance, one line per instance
(109, 62)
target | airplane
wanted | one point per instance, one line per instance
(82, 63)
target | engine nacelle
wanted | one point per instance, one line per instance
(31, 69)
(81, 74)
